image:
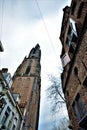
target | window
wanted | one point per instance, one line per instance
(74, 38)
(16, 96)
(8, 109)
(68, 40)
(2, 104)
(28, 70)
(69, 30)
(76, 71)
(79, 107)
(6, 115)
(71, 39)
(73, 43)
(16, 119)
(9, 124)
(13, 127)
(80, 10)
(73, 7)
(77, 74)
(69, 36)
(72, 48)
(85, 82)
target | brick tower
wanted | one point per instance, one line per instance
(26, 88)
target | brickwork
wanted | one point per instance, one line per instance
(26, 82)
(74, 77)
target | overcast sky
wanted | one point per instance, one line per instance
(25, 23)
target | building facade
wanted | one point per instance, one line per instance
(7, 77)
(73, 37)
(10, 114)
(26, 86)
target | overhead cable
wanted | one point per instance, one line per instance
(41, 15)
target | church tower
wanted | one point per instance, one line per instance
(26, 88)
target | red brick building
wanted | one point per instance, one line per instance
(26, 88)
(73, 37)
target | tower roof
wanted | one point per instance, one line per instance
(35, 52)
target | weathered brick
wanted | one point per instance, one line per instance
(75, 72)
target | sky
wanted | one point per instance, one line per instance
(23, 24)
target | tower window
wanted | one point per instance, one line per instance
(28, 69)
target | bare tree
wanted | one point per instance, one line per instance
(62, 125)
(54, 93)
(56, 96)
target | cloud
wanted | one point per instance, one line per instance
(19, 38)
(27, 10)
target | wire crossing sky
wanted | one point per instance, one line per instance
(46, 28)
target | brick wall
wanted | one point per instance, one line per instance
(75, 73)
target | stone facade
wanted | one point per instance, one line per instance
(74, 59)
(27, 83)
(10, 114)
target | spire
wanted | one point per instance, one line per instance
(35, 52)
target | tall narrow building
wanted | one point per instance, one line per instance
(74, 60)
(26, 88)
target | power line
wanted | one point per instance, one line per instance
(45, 27)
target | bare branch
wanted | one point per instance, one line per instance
(54, 92)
